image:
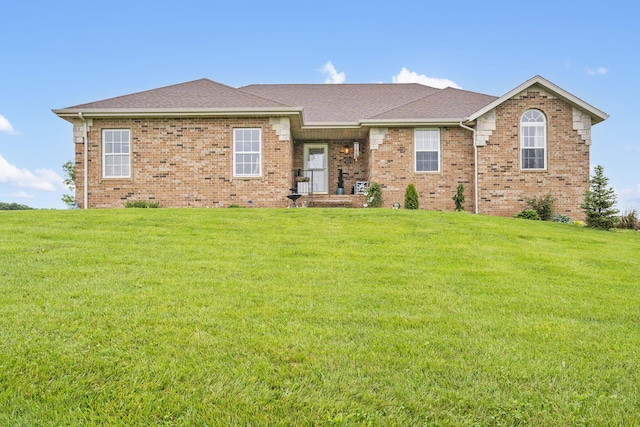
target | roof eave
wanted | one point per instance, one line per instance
(175, 112)
(597, 115)
(331, 125)
(411, 122)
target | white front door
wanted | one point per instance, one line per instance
(315, 166)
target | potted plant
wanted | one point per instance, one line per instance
(303, 184)
(340, 182)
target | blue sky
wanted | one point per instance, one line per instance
(59, 54)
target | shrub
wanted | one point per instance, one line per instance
(459, 198)
(234, 205)
(599, 202)
(578, 223)
(374, 195)
(13, 207)
(411, 198)
(528, 214)
(543, 205)
(629, 220)
(140, 204)
(562, 219)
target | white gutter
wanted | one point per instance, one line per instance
(85, 179)
(475, 165)
(176, 112)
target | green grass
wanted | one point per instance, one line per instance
(315, 317)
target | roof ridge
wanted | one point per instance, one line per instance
(262, 97)
(335, 84)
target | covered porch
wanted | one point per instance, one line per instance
(330, 173)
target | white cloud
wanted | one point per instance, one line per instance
(333, 76)
(23, 195)
(406, 76)
(629, 196)
(5, 126)
(44, 179)
(600, 71)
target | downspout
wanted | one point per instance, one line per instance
(85, 179)
(475, 165)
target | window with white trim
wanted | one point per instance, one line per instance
(116, 153)
(247, 152)
(533, 140)
(427, 150)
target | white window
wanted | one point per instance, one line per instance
(116, 153)
(533, 140)
(427, 150)
(247, 152)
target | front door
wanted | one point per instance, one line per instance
(315, 166)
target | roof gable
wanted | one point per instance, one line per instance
(596, 115)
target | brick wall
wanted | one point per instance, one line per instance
(504, 187)
(392, 166)
(184, 162)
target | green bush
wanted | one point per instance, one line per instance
(234, 205)
(459, 198)
(543, 205)
(528, 214)
(629, 220)
(411, 197)
(562, 219)
(374, 195)
(141, 204)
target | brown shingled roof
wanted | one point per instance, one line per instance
(203, 93)
(448, 103)
(320, 103)
(344, 103)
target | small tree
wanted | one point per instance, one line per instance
(599, 202)
(340, 179)
(69, 169)
(411, 198)
(459, 198)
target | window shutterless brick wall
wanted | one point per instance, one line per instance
(504, 187)
(186, 162)
(392, 166)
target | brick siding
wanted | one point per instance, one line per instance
(186, 162)
(504, 187)
(392, 166)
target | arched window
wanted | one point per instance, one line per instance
(533, 140)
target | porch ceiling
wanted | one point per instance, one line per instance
(330, 133)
